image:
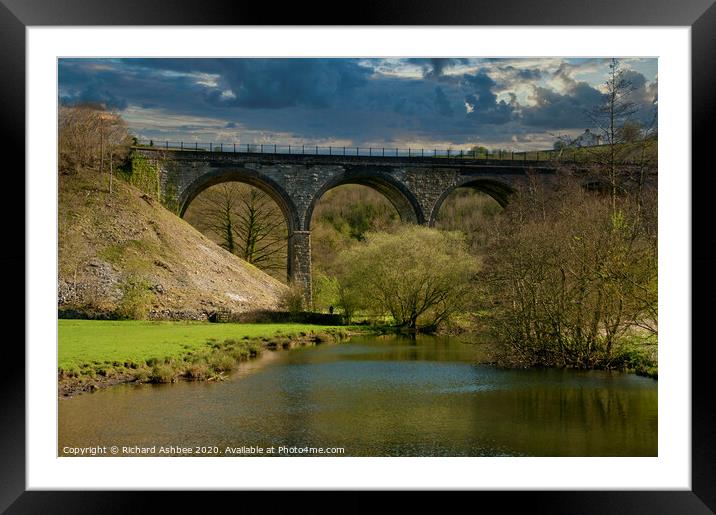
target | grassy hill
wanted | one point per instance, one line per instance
(125, 256)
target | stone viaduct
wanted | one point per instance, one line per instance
(416, 186)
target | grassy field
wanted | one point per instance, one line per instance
(90, 344)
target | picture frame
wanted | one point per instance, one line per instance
(700, 15)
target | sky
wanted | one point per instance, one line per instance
(511, 103)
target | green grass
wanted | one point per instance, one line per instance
(114, 343)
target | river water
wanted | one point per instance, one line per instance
(375, 396)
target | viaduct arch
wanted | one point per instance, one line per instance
(416, 186)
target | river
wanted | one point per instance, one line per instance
(375, 396)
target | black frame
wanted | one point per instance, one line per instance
(700, 15)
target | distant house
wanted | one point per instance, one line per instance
(586, 139)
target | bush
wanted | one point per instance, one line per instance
(420, 276)
(293, 299)
(136, 299)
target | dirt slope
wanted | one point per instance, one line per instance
(124, 254)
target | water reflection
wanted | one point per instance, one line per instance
(381, 396)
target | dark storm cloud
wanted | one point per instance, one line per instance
(483, 101)
(88, 87)
(83, 80)
(644, 94)
(434, 68)
(554, 110)
(442, 104)
(247, 83)
(279, 83)
(338, 99)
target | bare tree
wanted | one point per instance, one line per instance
(243, 220)
(88, 135)
(610, 117)
(260, 226)
(570, 285)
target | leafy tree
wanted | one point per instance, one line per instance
(418, 275)
(325, 292)
(341, 219)
(479, 150)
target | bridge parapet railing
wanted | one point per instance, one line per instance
(564, 156)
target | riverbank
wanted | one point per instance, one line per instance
(428, 394)
(97, 354)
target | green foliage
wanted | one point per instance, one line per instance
(163, 373)
(170, 199)
(341, 219)
(142, 173)
(471, 212)
(479, 151)
(325, 292)
(222, 363)
(292, 299)
(353, 210)
(136, 299)
(418, 275)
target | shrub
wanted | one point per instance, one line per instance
(136, 299)
(293, 299)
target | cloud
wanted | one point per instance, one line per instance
(553, 110)
(483, 101)
(280, 83)
(352, 101)
(434, 68)
(442, 105)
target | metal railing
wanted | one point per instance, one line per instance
(565, 156)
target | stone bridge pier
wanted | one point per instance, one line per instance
(415, 186)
